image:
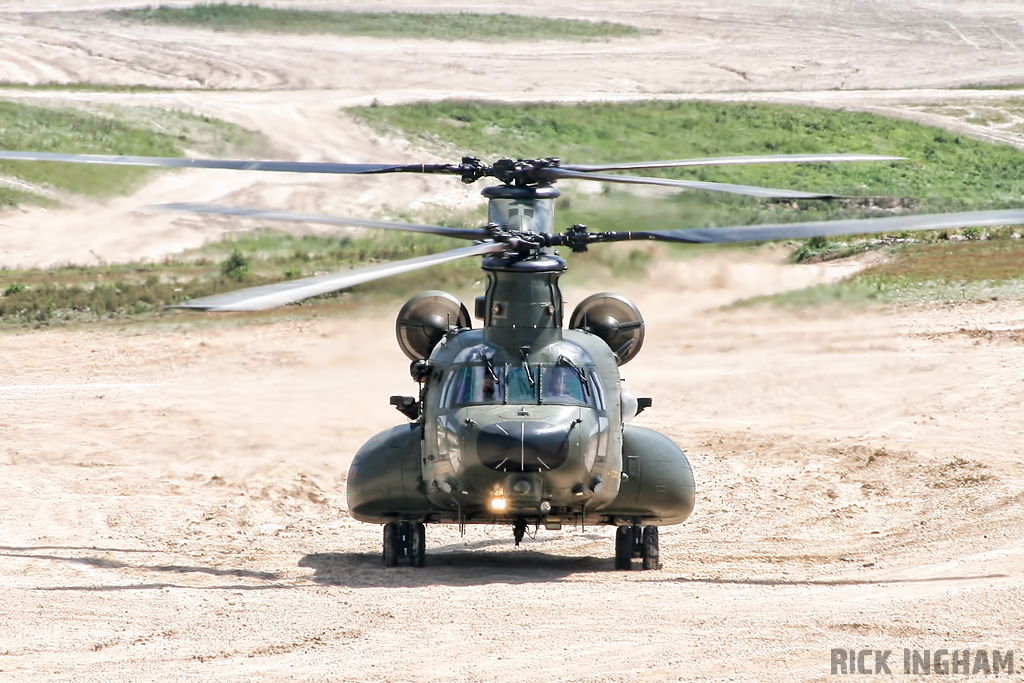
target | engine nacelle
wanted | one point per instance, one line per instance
(613, 318)
(424, 320)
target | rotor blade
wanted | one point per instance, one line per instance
(854, 226)
(237, 165)
(730, 161)
(246, 212)
(278, 294)
(555, 172)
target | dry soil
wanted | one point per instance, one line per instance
(173, 495)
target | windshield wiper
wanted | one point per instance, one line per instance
(584, 381)
(525, 351)
(488, 363)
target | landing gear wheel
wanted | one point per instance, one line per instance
(650, 551)
(392, 544)
(417, 544)
(624, 547)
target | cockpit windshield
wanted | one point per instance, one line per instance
(521, 383)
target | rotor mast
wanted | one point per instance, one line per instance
(522, 305)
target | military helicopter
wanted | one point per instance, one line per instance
(525, 420)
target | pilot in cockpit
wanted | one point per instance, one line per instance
(561, 385)
(489, 390)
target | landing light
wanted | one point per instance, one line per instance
(498, 503)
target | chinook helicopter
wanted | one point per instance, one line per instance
(524, 420)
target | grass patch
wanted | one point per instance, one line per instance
(945, 171)
(77, 294)
(106, 130)
(438, 26)
(991, 86)
(142, 291)
(57, 130)
(942, 271)
(967, 262)
(84, 87)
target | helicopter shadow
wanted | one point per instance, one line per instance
(240, 579)
(464, 567)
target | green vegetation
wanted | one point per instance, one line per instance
(75, 294)
(136, 131)
(236, 266)
(944, 172)
(53, 130)
(83, 294)
(441, 26)
(86, 87)
(991, 86)
(969, 270)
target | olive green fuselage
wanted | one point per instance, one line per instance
(521, 421)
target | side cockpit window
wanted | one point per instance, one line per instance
(597, 388)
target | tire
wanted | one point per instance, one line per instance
(624, 547)
(404, 539)
(417, 544)
(392, 544)
(651, 552)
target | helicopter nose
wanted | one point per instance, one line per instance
(522, 446)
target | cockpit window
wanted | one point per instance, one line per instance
(521, 386)
(517, 383)
(561, 384)
(476, 384)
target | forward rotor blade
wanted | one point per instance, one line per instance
(555, 172)
(731, 161)
(246, 212)
(854, 226)
(269, 296)
(236, 165)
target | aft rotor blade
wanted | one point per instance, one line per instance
(236, 165)
(246, 212)
(854, 226)
(269, 296)
(555, 172)
(730, 161)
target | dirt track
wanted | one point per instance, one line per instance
(174, 505)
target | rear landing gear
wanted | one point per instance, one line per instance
(633, 540)
(404, 540)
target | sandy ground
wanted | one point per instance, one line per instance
(173, 494)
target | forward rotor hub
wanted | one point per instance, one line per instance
(518, 172)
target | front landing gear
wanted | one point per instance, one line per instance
(405, 540)
(518, 531)
(633, 540)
